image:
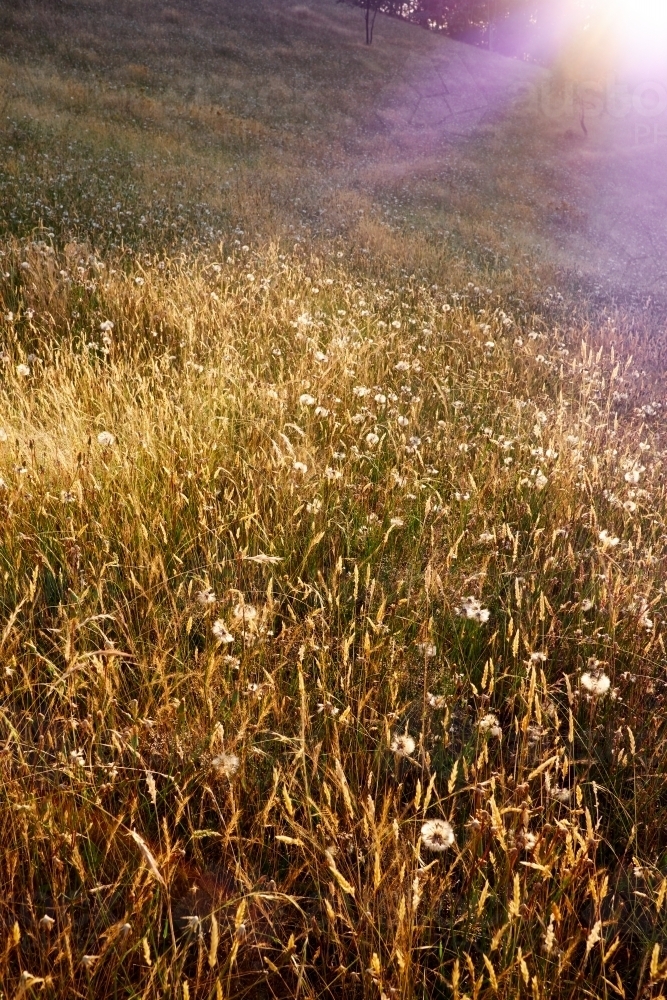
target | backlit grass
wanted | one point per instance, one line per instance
(331, 568)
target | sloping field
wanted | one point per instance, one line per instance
(332, 523)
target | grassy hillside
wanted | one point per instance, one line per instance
(332, 550)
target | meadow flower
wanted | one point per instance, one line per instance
(402, 745)
(490, 724)
(327, 708)
(595, 683)
(437, 835)
(403, 421)
(88, 961)
(3, 435)
(106, 439)
(106, 326)
(360, 391)
(321, 357)
(245, 612)
(644, 621)
(380, 399)
(427, 649)
(608, 541)
(587, 604)
(46, 923)
(473, 610)
(205, 596)
(22, 370)
(538, 657)
(528, 841)
(300, 467)
(221, 632)
(321, 411)
(226, 764)
(436, 700)
(486, 538)
(372, 439)
(306, 399)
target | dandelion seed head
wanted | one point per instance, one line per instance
(403, 745)
(327, 708)
(221, 632)
(206, 596)
(437, 835)
(471, 609)
(595, 683)
(226, 764)
(245, 612)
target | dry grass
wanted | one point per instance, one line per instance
(303, 548)
(342, 465)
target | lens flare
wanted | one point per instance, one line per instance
(640, 30)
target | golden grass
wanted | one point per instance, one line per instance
(317, 525)
(343, 465)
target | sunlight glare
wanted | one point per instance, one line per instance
(640, 27)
